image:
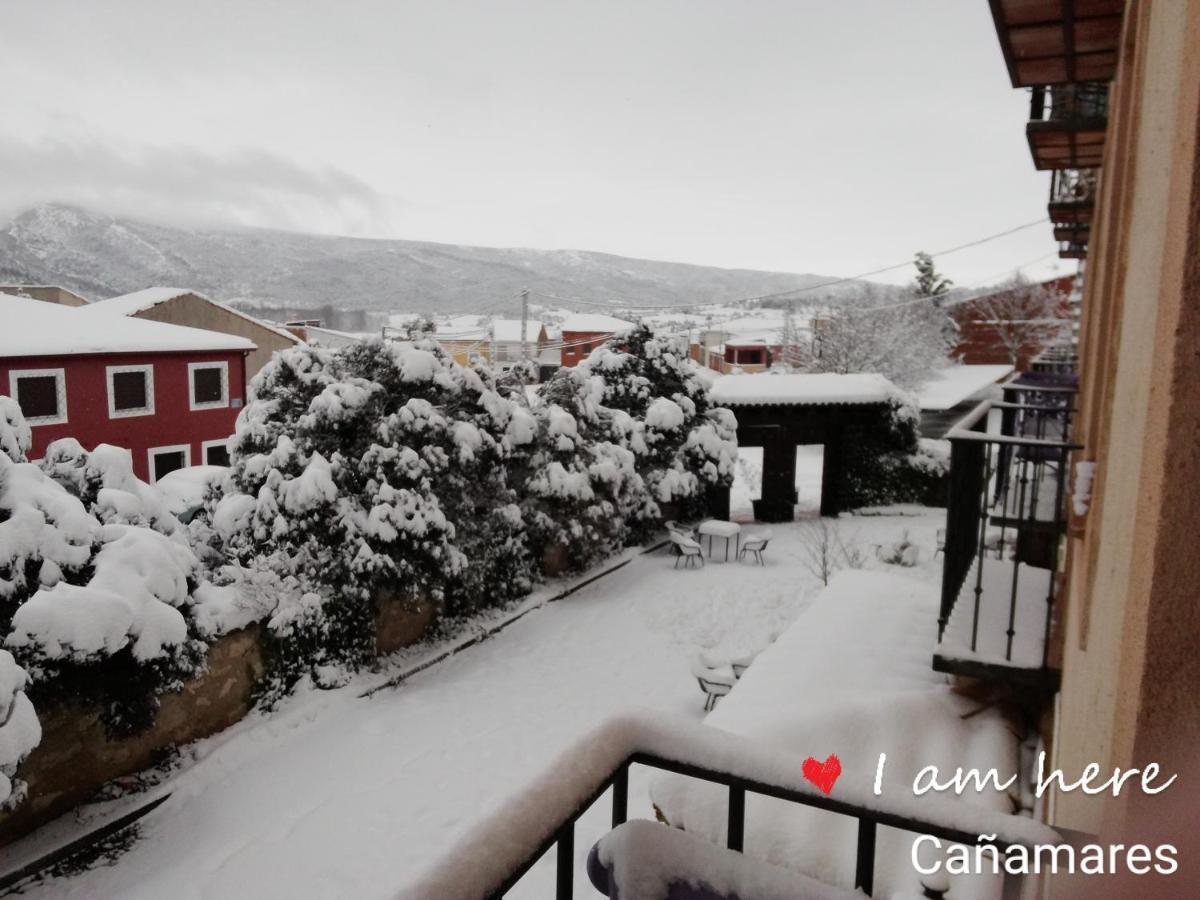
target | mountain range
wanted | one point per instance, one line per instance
(289, 274)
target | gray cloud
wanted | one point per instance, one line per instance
(183, 185)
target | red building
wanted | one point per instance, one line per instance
(1011, 326)
(167, 393)
(582, 333)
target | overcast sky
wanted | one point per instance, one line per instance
(827, 137)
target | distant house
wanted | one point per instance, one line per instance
(990, 331)
(465, 338)
(167, 393)
(584, 332)
(49, 293)
(505, 341)
(179, 306)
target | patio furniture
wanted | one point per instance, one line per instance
(755, 543)
(715, 681)
(686, 549)
(674, 527)
(941, 543)
(722, 529)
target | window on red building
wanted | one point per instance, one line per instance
(164, 460)
(41, 394)
(208, 385)
(130, 391)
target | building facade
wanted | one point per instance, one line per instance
(583, 333)
(169, 395)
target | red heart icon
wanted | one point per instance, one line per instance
(823, 774)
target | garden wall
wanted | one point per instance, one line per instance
(76, 758)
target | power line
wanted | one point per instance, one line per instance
(793, 291)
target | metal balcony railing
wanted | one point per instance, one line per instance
(1069, 104)
(534, 824)
(1076, 186)
(1008, 468)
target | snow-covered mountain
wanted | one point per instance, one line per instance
(100, 256)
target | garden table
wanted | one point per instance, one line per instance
(722, 529)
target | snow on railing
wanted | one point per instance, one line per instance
(494, 855)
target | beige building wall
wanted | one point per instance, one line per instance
(1131, 637)
(196, 312)
(46, 292)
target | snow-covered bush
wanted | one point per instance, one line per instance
(376, 467)
(886, 462)
(581, 489)
(684, 446)
(103, 480)
(20, 730)
(94, 601)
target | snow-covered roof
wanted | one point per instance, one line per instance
(33, 328)
(595, 323)
(510, 330)
(139, 301)
(766, 389)
(949, 387)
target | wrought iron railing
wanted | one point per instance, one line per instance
(1073, 186)
(1008, 473)
(1068, 104)
(529, 828)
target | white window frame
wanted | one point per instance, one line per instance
(204, 445)
(170, 448)
(60, 386)
(148, 410)
(216, 404)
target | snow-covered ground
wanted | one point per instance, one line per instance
(336, 795)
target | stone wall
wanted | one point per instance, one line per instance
(75, 756)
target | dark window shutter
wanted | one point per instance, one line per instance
(206, 384)
(129, 391)
(38, 396)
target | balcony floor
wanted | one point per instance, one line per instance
(991, 656)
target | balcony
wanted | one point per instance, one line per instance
(1066, 125)
(1004, 524)
(1072, 197)
(1058, 41)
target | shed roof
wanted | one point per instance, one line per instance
(947, 388)
(34, 328)
(767, 389)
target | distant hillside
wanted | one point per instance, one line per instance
(100, 256)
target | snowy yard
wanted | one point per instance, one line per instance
(339, 796)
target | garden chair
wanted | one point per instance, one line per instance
(715, 681)
(755, 543)
(686, 549)
(941, 543)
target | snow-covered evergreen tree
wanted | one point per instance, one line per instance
(581, 488)
(379, 466)
(683, 445)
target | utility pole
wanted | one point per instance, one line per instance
(524, 327)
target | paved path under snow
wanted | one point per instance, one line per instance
(337, 796)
